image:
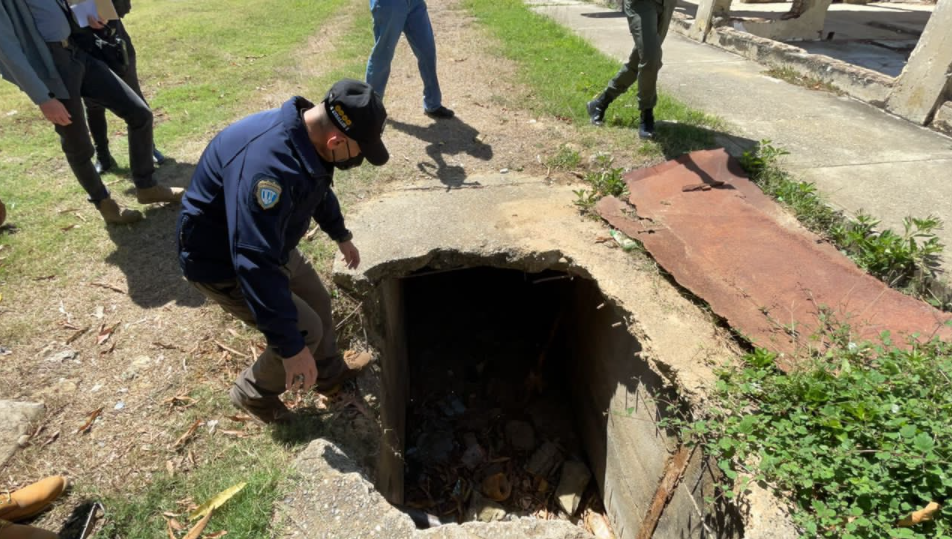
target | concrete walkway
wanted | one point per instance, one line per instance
(859, 157)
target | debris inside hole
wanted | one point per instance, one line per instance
(491, 432)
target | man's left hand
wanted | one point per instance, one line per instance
(351, 254)
(96, 22)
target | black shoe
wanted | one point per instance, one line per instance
(595, 112)
(441, 113)
(104, 163)
(157, 157)
(646, 126)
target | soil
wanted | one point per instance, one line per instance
(123, 340)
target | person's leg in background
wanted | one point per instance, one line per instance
(419, 32)
(389, 20)
(76, 142)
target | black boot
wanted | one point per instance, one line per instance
(646, 126)
(104, 161)
(596, 109)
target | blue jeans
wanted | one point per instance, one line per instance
(395, 17)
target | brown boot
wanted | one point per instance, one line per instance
(115, 215)
(159, 193)
(32, 499)
(8, 530)
(270, 411)
(344, 369)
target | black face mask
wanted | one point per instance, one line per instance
(350, 162)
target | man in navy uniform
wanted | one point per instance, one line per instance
(251, 200)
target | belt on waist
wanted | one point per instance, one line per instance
(64, 43)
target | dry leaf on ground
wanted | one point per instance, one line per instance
(89, 421)
(216, 502)
(105, 332)
(922, 515)
(196, 532)
(188, 434)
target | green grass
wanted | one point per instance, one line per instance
(565, 159)
(199, 69)
(857, 438)
(791, 76)
(564, 72)
(261, 461)
(203, 65)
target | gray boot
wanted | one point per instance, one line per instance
(114, 215)
(159, 193)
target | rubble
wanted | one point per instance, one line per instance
(572, 484)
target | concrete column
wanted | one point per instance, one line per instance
(707, 10)
(921, 87)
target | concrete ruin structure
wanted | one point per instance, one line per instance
(921, 93)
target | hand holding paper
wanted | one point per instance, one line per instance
(94, 13)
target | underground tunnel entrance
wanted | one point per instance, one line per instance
(490, 428)
(503, 391)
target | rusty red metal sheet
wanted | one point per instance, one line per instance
(755, 265)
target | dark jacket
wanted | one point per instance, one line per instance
(123, 7)
(25, 59)
(252, 197)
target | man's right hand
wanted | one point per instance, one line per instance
(300, 366)
(56, 112)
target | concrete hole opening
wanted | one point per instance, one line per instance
(511, 390)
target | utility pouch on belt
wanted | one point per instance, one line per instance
(106, 46)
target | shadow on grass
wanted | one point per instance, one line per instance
(675, 139)
(146, 252)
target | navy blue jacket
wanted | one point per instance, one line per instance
(251, 200)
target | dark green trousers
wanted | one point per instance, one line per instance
(648, 21)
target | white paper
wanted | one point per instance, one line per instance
(83, 10)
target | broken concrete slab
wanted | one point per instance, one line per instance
(531, 226)
(572, 484)
(943, 118)
(739, 251)
(16, 420)
(328, 498)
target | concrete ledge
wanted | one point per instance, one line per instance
(863, 84)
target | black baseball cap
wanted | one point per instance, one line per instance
(358, 112)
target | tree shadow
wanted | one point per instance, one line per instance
(147, 252)
(443, 138)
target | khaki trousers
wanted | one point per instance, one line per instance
(266, 377)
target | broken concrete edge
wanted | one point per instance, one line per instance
(694, 396)
(327, 495)
(943, 118)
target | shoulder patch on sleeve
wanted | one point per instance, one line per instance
(267, 193)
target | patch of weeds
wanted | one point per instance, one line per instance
(857, 438)
(907, 261)
(791, 76)
(565, 159)
(607, 181)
